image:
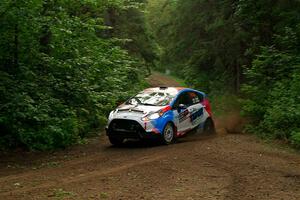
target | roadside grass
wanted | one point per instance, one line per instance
(278, 145)
(103, 195)
(223, 104)
(51, 164)
(62, 194)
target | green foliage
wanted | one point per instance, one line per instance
(60, 73)
(133, 31)
(62, 194)
(272, 89)
(201, 42)
(273, 94)
(219, 45)
(295, 139)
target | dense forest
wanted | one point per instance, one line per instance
(246, 47)
(65, 64)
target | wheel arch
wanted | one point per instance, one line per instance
(209, 119)
(174, 126)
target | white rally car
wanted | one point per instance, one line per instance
(163, 112)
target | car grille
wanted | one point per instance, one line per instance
(126, 128)
(130, 110)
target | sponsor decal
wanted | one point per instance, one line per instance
(196, 115)
(183, 115)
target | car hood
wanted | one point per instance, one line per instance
(134, 112)
(142, 109)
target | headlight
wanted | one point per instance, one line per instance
(151, 116)
(156, 115)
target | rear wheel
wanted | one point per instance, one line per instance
(209, 127)
(115, 141)
(168, 136)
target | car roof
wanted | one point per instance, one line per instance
(171, 90)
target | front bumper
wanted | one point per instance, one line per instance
(129, 129)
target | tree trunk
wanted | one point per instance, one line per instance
(16, 46)
(110, 21)
(46, 34)
(238, 78)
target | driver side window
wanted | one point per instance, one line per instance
(182, 99)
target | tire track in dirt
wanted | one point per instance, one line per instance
(198, 167)
(86, 176)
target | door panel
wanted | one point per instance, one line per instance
(196, 110)
(196, 118)
(182, 116)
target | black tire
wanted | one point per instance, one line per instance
(169, 135)
(209, 127)
(116, 141)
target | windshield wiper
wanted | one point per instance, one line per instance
(148, 104)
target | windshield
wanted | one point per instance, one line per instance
(151, 99)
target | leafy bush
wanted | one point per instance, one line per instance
(295, 139)
(60, 72)
(273, 95)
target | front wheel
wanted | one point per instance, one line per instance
(168, 136)
(115, 141)
(209, 127)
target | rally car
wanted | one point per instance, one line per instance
(163, 112)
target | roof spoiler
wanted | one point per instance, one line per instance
(163, 87)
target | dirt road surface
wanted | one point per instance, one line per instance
(223, 166)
